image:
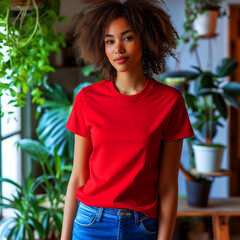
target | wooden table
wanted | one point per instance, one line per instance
(220, 209)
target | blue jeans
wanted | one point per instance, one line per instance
(113, 224)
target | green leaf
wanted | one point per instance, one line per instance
(34, 149)
(232, 89)
(227, 67)
(10, 181)
(191, 101)
(47, 68)
(57, 163)
(179, 74)
(62, 18)
(20, 233)
(68, 168)
(4, 225)
(88, 70)
(58, 221)
(57, 94)
(52, 14)
(233, 101)
(30, 232)
(220, 104)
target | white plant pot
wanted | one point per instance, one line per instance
(208, 158)
(206, 23)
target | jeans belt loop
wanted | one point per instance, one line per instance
(99, 214)
(136, 218)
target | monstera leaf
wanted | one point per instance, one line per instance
(51, 129)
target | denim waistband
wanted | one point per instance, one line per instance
(114, 213)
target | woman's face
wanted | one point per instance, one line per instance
(123, 47)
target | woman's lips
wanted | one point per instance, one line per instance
(121, 60)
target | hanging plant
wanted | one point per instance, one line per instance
(27, 37)
(192, 10)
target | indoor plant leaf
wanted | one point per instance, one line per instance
(220, 104)
(232, 89)
(226, 67)
(233, 101)
(35, 149)
(181, 73)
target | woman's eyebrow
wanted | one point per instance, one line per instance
(123, 33)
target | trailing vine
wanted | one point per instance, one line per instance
(26, 39)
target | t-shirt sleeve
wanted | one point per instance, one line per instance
(179, 125)
(77, 122)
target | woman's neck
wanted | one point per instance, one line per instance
(130, 83)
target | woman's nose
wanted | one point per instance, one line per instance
(119, 48)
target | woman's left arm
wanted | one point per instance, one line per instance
(168, 188)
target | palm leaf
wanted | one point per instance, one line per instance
(34, 149)
(51, 129)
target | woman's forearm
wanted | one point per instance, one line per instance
(167, 212)
(70, 209)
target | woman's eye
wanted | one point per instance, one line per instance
(109, 41)
(129, 38)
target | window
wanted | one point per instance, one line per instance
(10, 156)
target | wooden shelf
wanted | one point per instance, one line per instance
(209, 36)
(221, 173)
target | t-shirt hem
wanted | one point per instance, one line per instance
(78, 133)
(133, 208)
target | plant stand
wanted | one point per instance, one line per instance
(200, 190)
(221, 173)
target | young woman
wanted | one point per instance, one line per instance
(129, 128)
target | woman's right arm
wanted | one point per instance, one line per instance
(79, 176)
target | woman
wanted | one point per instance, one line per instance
(129, 128)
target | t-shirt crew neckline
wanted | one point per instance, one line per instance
(140, 94)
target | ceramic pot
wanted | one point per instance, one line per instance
(206, 23)
(198, 193)
(208, 159)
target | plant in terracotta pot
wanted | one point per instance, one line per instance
(27, 36)
(201, 20)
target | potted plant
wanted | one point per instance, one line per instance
(37, 215)
(27, 37)
(198, 188)
(201, 20)
(26, 208)
(208, 105)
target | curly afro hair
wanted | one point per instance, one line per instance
(148, 18)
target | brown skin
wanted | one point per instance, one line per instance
(121, 41)
(168, 188)
(130, 80)
(79, 176)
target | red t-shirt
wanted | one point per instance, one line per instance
(126, 133)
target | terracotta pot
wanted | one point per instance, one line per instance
(17, 4)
